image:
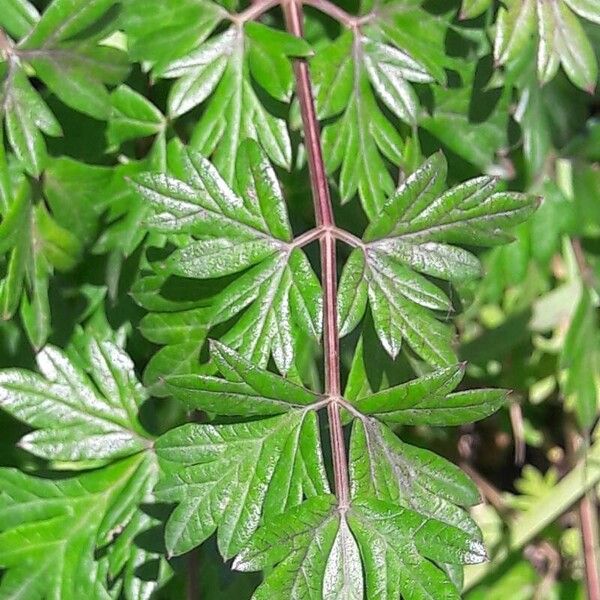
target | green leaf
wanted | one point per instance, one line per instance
(395, 544)
(51, 529)
(77, 416)
(280, 291)
(77, 77)
(420, 34)
(410, 234)
(277, 41)
(473, 8)
(357, 142)
(514, 25)
(60, 247)
(226, 477)
(389, 69)
(562, 39)
(18, 17)
(315, 553)
(217, 72)
(271, 70)
(268, 52)
(332, 72)
(246, 389)
(574, 48)
(588, 9)
(479, 141)
(15, 219)
(427, 401)
(26, 114)
(157, 33)
(132, 116)
(35, 305)
(384, 467)
(579, 360)
(64, 19)
(198, 73)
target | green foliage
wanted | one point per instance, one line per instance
(180, 316)
(51, 530)
(561, 38)
(410, 235)
(249, 231)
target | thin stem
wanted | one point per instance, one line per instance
(586, 273)
(318, 233)
(324, 218)
(588, 520)
(589, 532)
(339, 14)
(307, 237)
(6, 46)
(254, 11)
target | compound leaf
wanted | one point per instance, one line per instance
(250, 232)
(227, 477)
(409, 238)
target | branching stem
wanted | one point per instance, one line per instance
(318, 233)
(253, 11)
(325, 221)
(339, 14)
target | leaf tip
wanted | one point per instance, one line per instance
(477, 553)
(239, 563)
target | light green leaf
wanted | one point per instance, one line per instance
(473, 8)
(157, 33)
(514, 25)
(18, 17)
(63, 19)
(579, 361)
(26, 115)
(588, 9)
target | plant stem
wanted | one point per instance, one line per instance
(324, 218)
(588, 520)
(339, 14)
(256, 8)
(589, 532)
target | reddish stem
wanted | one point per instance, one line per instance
(589, 532)
(325, 220)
